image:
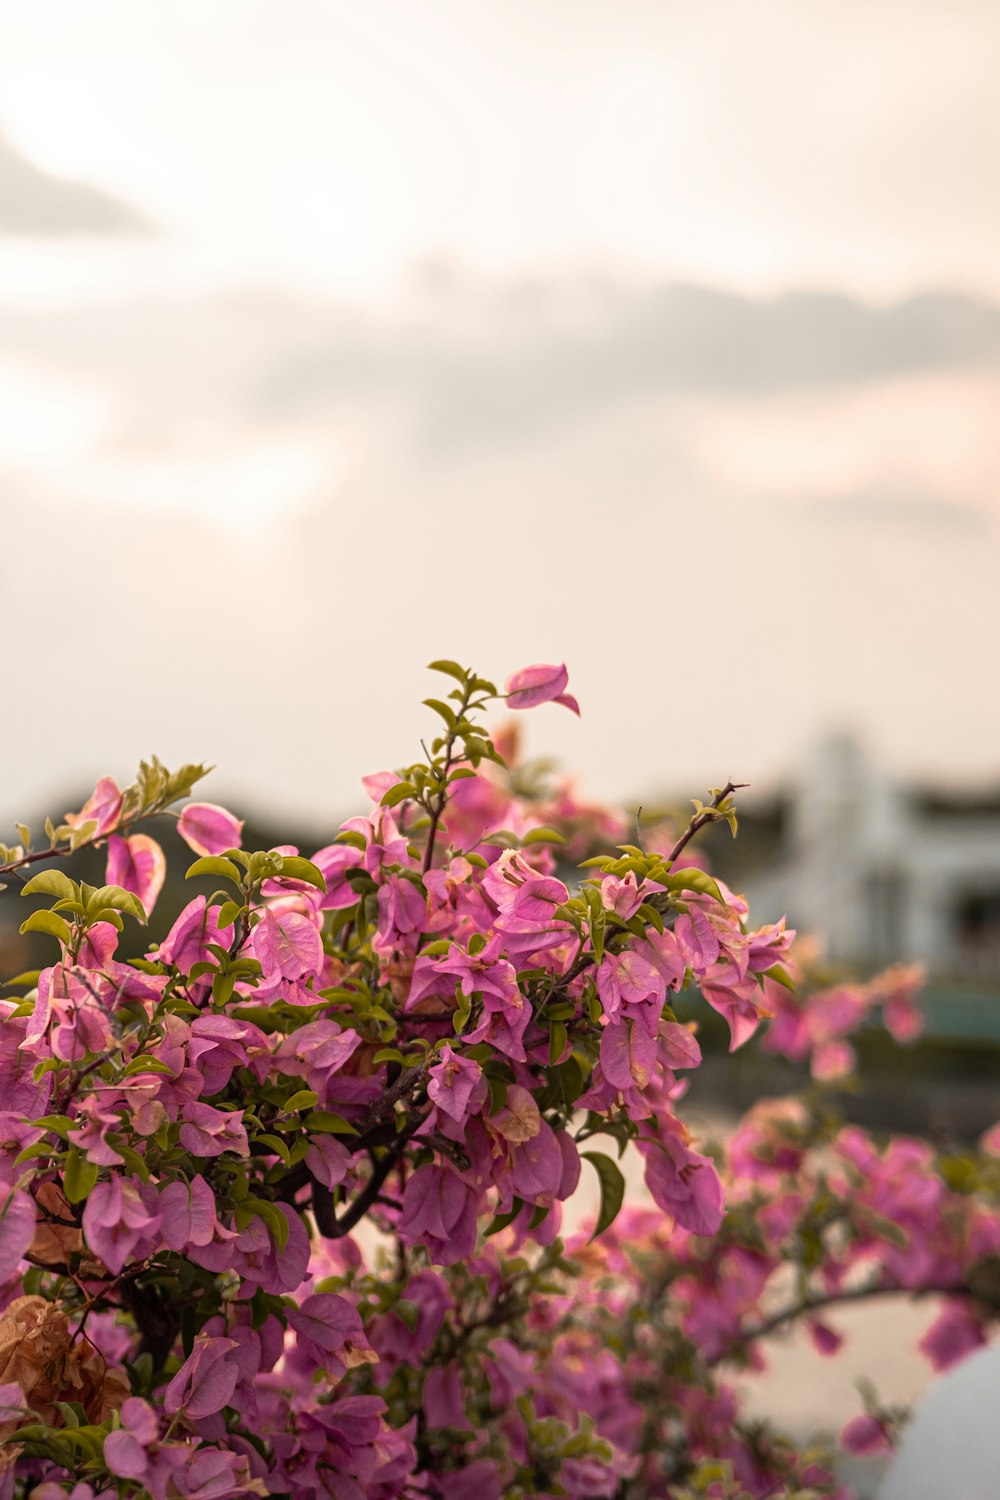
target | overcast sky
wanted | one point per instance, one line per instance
(662, 338)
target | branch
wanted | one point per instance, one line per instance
(334, 1226)
(797, 1310)
(707, 815)
(441, 801)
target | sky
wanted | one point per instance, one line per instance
(659, 338)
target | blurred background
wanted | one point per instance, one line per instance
(658, 337)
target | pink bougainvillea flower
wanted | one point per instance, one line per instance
(539, 684)
(104, 805)
(952, 1335)
(17, 1228)
(737, 1000)
(209, 1132)
(453, 1081)
(186, 944)
(126, 1450)
(444, 1400)
(208, 829)
(439, 1210)
(287, 945)
(628, 1054)
(116, 1221)
(205, 1381)
(137, 864)
(328, 1161)
(331, 1330)
(187, 1210)
(682, 1182)
(865, 1434)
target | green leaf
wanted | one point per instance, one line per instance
(650, 915)
(133, 1161)
(118, 898)
(557, 1041)
(144, 1064)
(598, 920)
(544, 835)
(227, 914)
(61, 1124)
(294, 867)
(398, 793)
(502, 1220)
(214, 864)
(51, 883)
(693, 880)
(388, 1054)
(40, 1148)
(447, 713)
(105, 914)
(47, 921)
(28, 978)
(780, 975)
(273, 1217)
(327, 1123)
(304, 1099)
(352, 837)
(612, 1189)
(79, 1176)
(275, 1144)
(222, 989)
(450, 667)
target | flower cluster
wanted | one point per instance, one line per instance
(281, 1199)
(418, 1027)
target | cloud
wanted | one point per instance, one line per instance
(532, 368)
(924, 513)
(36, 202)
(469, 366)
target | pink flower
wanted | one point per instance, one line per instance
(316, 1052)
(628, 1054)
(104, 806)
(330, 1330)
(94, 1120)
(865, 1434)
(126, 1451)
(682, 1182)
(208, 829)
(205, 1381)
(952, 1335)
(116, 1221)
(328, 1161)
(539, 684)
(826, 1340)
(439, 1211)
(17, 1229)
(630, 980)
(453, 1082)
(206, 1131)
(444, 1400)
(287, 945)
(138, 865)
(186, 944)
(738, 1000)
(187, 1210)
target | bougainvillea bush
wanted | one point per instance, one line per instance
(281, 1201)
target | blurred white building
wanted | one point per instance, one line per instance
(885, 870)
